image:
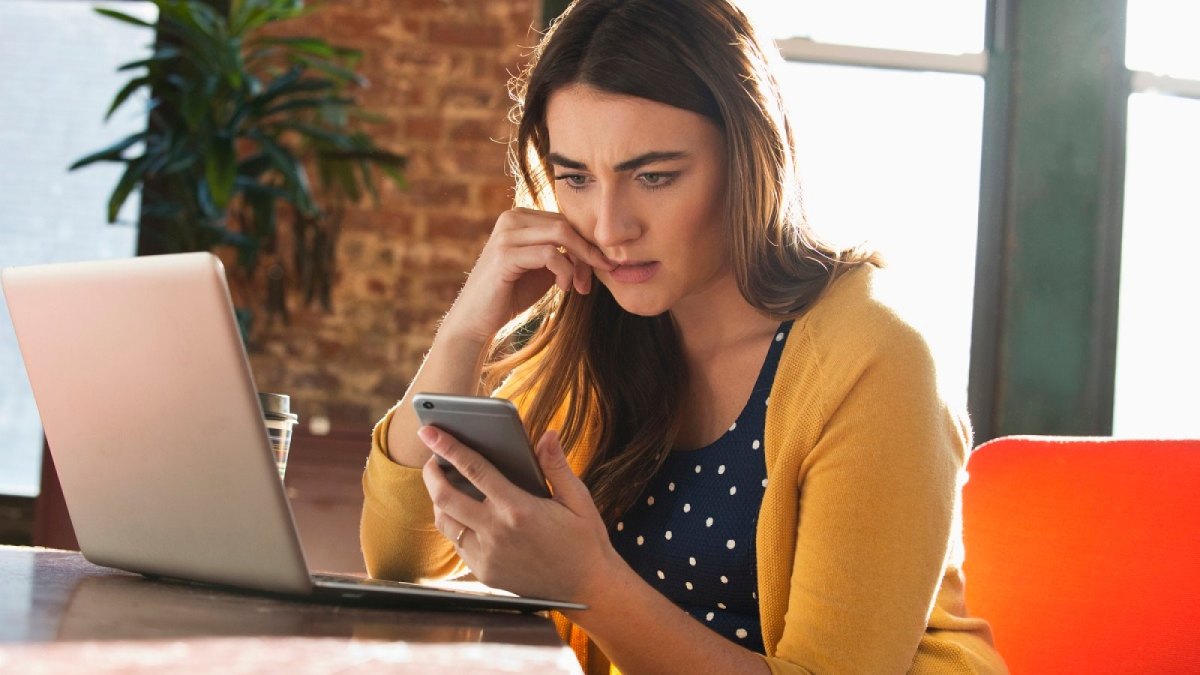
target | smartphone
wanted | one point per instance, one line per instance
(490, 426)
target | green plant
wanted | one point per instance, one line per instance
(236, 119)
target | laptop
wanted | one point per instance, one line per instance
(153, 421)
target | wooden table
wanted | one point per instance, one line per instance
(60, 613)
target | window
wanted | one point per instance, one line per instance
(1160, 38)
(1158, 329)
(888, 110)
(59, 58)
(930, 26)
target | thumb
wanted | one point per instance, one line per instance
(567, 487)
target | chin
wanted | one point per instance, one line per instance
(639, 303)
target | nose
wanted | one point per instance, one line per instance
(617, 222)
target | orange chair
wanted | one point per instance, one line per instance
(1084, 553)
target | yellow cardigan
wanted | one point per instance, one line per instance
(859, 533)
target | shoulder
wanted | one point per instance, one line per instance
(853, 334)
(858, 318)
(856, 362)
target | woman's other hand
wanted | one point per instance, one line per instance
(528, 251)
(554, 548)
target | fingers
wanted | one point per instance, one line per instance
(454, 531)
(543, 226)
(453, 509)
(546, 256)
(583, 279)
(567, 487)
(474, 467)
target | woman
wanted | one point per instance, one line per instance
(758, 439)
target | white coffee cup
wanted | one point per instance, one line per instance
(279, 419)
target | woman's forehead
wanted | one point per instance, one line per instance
(609, 127)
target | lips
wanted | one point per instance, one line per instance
(634, 272)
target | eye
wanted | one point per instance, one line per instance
(657, 179)
(575, 181)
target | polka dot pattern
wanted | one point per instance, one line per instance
(692, 534)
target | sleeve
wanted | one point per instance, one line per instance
(877, 497)
(397, 534)
(398, 538)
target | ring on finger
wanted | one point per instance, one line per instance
(458, 539)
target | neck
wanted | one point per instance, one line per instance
(720, 318)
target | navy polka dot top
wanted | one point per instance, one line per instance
(691, 533)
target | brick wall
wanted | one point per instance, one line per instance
(438, 70)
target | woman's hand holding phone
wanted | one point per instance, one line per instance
(553, 547)
(549, 547)
(490, 426)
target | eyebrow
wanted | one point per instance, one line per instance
(627, 165)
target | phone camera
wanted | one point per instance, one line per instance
(428, 405)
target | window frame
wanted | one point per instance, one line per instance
(807, 50)
(1142, 82)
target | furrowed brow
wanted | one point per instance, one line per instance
(649, 158)
(558, 160)
(628, 165)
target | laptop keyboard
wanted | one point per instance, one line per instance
(360, 581)
(468, 588)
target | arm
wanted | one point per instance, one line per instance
(528, 252)
(397, 534)
(559, 548)
(399, 539)
(877, 499)
(641, 631)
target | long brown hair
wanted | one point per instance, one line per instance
(622, 377)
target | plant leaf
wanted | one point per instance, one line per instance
(282, 159)
(220, 170)
(368, 180)
(254, 166)
(120, 16)
(300, 86)
(205, 205)
(161, 54)
(394, 173)
(181, 164)
(197, 29)
(367, 116)
(250, 187)
(305, 45)
(110, 154)
(334, 70)
(347, 180)
(262, 204)
(283, 86)
(317, 134)
(273, 87)
(125, 92)
(307, 103)
(129, 180)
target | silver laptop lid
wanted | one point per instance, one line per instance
(153, 421)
